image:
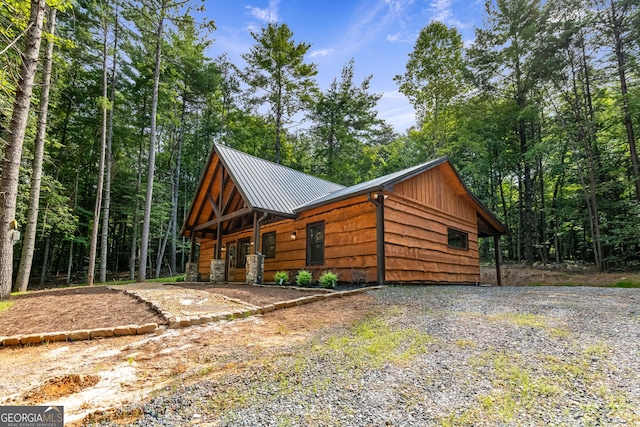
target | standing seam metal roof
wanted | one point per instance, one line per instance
(279, 189)
(269, 186)
(369, 186)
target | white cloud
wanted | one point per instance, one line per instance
(270, 14)
(396, 110)
(392, 38)
(320, 52)
(441, 10)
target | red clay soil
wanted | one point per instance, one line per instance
(72, 309)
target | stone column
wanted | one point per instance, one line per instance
(191, 273)
(217, 271)
(255, 267)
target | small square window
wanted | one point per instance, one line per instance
(458, 239)
(269, 245)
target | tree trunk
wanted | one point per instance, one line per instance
(626, 111)
(45, 260)
(136, 219)
(278, 124)
(175, 190)
(528, 198)
(162, 247)
(13, 146)
(104, 245)
(103, 144)
(75, 207)
(29, 242)
(144, 244)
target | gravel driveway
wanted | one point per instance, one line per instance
(437, 356)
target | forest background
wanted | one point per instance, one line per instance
(109, 109)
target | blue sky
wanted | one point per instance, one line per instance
(378, 34)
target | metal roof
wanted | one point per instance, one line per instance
(271, 187)
(376, 184)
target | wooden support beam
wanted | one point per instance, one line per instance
(256, 233)
(213, 178)
(192, 252)
(216, 211)
(496, 248)
(228, 217)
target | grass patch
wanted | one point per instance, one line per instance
(529, 388)
(5, 305)
(462, 343)
(596, 350)
(374, 343)
(518, 319)
(627, 283)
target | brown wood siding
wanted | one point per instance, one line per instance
(417, 215)
(204, 260)
(350, 242)
(440, 189)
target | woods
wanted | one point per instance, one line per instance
(108, 111)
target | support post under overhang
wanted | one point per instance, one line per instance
(496, 249)
(378, 201)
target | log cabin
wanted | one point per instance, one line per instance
(418, 225)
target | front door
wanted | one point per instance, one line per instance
(231, 262)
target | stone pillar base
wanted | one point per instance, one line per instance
(191, 273)
(217, 271)
(255, 267)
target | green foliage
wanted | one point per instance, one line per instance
(435, 76)
(345, 124)
(5, 305)
(304, 278)
(328, 280)
(281, 277)
(278, 76)
(627, 283)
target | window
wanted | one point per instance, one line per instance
(315, 243)
(458, 239)
(269, 245)
(244, 248)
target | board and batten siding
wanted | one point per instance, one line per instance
(349, 243)
(418, 214)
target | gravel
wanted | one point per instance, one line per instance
(437, 356)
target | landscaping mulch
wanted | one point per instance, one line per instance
(88, 307)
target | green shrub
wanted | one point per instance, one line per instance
(281, 277)
(627, 283)
(304, 278)
(328, 280)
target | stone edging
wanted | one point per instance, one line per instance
(184, 321)
(78, 335)
(173, 321)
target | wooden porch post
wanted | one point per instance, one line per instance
(192, 252)
(496, 248)
(218, 254)
(256, 234)
(381, 268)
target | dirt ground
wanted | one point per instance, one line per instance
(100, 307)
(97, 375)
(579, 275)
(89, 376)
(73, 309)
